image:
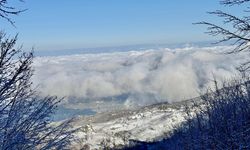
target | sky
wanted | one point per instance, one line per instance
(64, 24)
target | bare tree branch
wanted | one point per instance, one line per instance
(233, 2)
(7, 11)
(237, 31)
(25, 117)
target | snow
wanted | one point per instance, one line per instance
(146, 124)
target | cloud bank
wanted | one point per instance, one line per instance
(134, 78)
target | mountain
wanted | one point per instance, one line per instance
(147, 124)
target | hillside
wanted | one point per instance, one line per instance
(147, 124)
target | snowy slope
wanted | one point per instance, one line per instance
(150, 123)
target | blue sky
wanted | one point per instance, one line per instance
(64, 24)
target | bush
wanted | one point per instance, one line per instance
(220, 121)
(24, 116)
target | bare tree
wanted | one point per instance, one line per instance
(233, 2)
(238, 31)
(25, 117)
(7, 11)
(221, 120)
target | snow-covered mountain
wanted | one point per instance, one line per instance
(114, 129)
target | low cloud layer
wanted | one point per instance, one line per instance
(134, 78)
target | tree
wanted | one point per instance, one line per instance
(238, 32)
(25, 117)
(6, 11)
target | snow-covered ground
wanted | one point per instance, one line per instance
(151, 123)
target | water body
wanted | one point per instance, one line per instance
(63, 113)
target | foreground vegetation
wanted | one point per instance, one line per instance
(221, 122)
(25, 117)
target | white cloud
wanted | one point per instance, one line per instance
(135, 77)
